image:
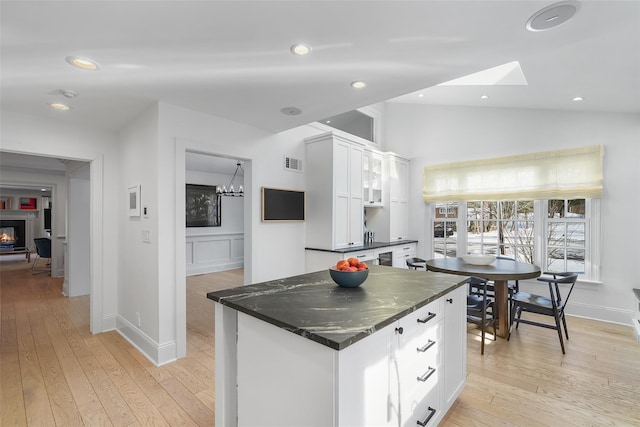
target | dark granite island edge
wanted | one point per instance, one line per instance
(312, 306)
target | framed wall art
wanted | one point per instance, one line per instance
(134, 200)
(28, 203)
(203, 206)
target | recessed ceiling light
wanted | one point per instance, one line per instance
(43, 189)
(421, 95)
(552, 16)
(578, 99)
(291, 111)
(484, 97)
(300, 49)
(84, 63)
(358, 84)
(59, 107)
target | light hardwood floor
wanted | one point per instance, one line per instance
(54, 372)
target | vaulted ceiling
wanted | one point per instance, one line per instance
(232, 58)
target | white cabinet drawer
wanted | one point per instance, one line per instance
(422, 409)
(366, 256)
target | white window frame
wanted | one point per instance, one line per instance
(592, 235)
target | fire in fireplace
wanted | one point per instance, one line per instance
(7, 236)
(12, 233)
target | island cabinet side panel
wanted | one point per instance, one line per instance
(365, 384)
(283, 379)
(225, 365)
(455, 344)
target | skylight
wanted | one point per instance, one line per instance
(509, 74)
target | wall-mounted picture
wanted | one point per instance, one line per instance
(5, 203)
(134, 200)
(28, 203)
(203, 206)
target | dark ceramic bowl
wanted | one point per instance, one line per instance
(348, 279)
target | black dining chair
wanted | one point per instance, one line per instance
(480, 308)
(416, 263)
(43, 250)
(553, 305)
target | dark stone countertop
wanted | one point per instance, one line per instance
(366, 246)
(313, 306)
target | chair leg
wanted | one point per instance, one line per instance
(558, 327)
(564, 323)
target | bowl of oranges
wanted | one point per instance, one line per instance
(349, 273)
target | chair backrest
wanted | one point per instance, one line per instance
(554, 288)
(415, 263)
(43, 247)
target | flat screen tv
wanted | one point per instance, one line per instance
(282, 205)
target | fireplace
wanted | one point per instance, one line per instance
(12, 233)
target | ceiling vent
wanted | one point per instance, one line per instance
(292, 164)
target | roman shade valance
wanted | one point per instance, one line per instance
(570, 173)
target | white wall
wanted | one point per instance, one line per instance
(78, 234)
(138, 290)
(54, 138)
(432, 135)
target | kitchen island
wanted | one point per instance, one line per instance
(302, 351)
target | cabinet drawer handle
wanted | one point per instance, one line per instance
(400, 330)
(450, 300)
(426, 319)
(426, 347)
(427, 374)
(424, 422)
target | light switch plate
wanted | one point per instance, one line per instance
(146, 235)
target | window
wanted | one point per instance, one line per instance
(445, 230)
(504, 228)
(566, 235)
(557, 235)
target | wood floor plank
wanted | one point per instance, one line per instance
(36, 400)
(12, 411)
(114, 405)
(61, 399)
(168, 407)
(140, 405)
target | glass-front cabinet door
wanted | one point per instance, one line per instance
(372, 179)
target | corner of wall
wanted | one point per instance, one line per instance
(158, 354)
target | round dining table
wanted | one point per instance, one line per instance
(500, 272)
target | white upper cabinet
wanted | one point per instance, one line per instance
(372, 179)
(399, 201)
(335, 214)
(391, 223)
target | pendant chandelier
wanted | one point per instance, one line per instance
(224, 191)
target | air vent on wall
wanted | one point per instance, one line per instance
(292, 164)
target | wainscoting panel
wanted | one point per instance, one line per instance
(207, 253)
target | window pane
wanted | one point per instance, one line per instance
(575, 234)
(575, 260)
(576, 208)
(556, 209)
(508, 210)
(556, 234)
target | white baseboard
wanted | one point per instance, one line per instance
(595, 312)
(193, 270)
(156, 353)
(109, 323)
